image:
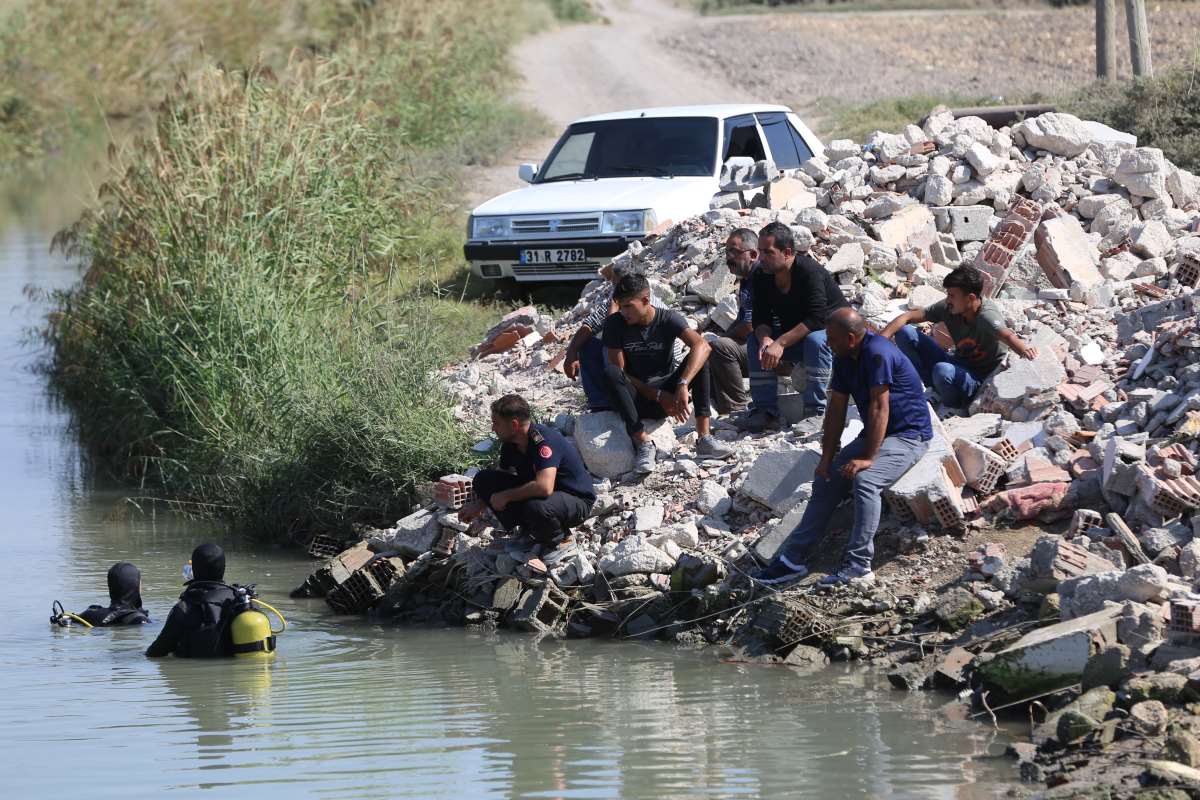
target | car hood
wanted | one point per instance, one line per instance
(604, 194)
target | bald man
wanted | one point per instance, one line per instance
(897, 429)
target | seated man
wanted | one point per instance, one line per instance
(585, 354)
(891, 402)
(541, 486)
(728, 363)
(198, 625)
(793, 296)
(642, 381)
(124, 599)
(980, 334)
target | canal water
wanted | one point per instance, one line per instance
(351, 709)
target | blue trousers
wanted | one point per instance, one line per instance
(894, 458)
(813, 352)
(591, 374)
(942, 372)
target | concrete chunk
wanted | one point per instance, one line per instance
(781, 478)
(605, 446)
(1052, 657)
(1066, 255)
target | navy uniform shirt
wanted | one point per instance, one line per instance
(549, 448)
(880, 363)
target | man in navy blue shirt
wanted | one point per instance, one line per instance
(541, 486)
(897, 429)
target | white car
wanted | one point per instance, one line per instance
(612, 178)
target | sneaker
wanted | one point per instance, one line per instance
(712, 447)
(847, 575)
(780, 571)
(757, 421)
(644, 461)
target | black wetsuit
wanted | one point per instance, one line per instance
(198, 625)
(125, 599)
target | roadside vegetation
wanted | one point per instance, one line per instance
(263, 308)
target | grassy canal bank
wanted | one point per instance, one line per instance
(262, 306)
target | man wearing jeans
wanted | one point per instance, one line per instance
(642, 381)
(793, 296)
(981, 338)
(891, 402)
(728, 363)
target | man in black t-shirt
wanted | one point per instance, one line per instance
(541, 486)
(793, 296)
(642, 383)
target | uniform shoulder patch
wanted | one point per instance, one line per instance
(545, 451)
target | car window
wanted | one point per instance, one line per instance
(779, 138)
(742, 139)
(640, 146)
(802, 149)
(572, 156)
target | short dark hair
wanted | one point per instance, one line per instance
(630, 285)
(966, 278)
(511, 406)
(782, 234)
(747, 237)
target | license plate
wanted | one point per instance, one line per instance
(562, 255)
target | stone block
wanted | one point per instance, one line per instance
(725, 313)
(1144, 583)
(910, 228)
(1052, 657)
(716, 285)
(1143, 171)
(779, 479)
(1066, 255)
(648, 517)
(1055, 132)
(634, 555)
(773, 537)
(1151, 239)
(713, 499)
(416, 534)
(939, 190)
(968, 223)
(603, 443)
(924, 296)
(848, 258)
(983, 160)
(791, 194)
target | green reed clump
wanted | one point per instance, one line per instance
(238, 339)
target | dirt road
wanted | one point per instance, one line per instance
(574, 71)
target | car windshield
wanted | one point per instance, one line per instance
(619, 148)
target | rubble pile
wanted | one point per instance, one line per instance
(1089, 244)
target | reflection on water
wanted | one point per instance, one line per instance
(355, 710)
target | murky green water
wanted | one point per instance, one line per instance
(353, 710)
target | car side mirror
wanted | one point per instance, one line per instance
(527, 172)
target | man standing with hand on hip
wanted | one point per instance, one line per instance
(891, 402)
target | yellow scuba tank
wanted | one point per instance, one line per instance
(252, 634)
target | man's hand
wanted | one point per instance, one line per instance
(470, 511)
(1030, 353)
(855, 466)
(500, 501)
(823, 466)
(571, 365)
(770, 352)
(679, 402)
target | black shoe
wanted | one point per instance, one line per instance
(778, 571)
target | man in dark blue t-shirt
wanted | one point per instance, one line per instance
(896, 433)
(541, 486)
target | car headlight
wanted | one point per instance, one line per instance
(629, 221)
(489, 227)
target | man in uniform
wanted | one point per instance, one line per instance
(644, 383)
(198, 625)
(793, 296)
(896, 433)
(542, 485)
(981, 338)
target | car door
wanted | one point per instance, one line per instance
(787, 148)
(742, 139)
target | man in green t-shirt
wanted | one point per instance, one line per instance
(981, 338)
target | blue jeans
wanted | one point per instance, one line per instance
(944, 373)
(591, 374)
(813, 352)
(894, 458)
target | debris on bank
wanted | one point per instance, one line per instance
(1091, 247)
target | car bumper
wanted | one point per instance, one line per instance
(503, 259)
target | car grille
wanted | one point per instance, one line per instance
(582, 271)
(570, 225)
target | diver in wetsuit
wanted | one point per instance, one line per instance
(198, 625)
(124, 596)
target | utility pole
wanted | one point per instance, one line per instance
(1106, 39)
(1139, 38)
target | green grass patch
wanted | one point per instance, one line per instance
(827, 6)
(836, 119)
(264, 309)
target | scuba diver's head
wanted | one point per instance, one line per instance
(208, 563)
(125, 585)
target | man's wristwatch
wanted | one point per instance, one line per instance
(682, 382)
